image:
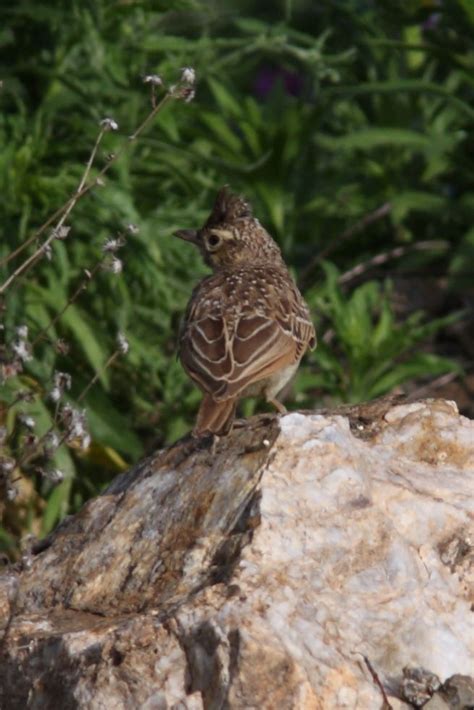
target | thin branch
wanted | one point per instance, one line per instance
(82, 189)
(69, 207)
(82, 286)
(34, 451)
(434, 384)
(37, 234)
(350, 232)
(150, 116)
(31, 453)
(86, 389)
(395, 253)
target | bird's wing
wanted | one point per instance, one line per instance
(228, 344)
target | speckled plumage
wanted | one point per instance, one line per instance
(247, 326)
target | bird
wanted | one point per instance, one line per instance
(246, 326)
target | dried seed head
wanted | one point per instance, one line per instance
(22, 332)
(113, 244)
(185, 92)
(188, 75)
(25, 396)
(55, 476)
(47, 251)
(66, 413)
(12, 493)
(61, 232)
(122, 343)
(153, 79)
(61, 346)
(132, 229)
(55, 394)
(85, 441)
(10, 369)
(116, 266)
(7, 465)
(113, 265)
(74, 421)
(108, 124)
(61, 382)
(110, 245)
(27, 421)
(51, 443)
(22, 350)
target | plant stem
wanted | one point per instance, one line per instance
(150, 117)
(69, 207)
(86, 389)
(82, 189)
(82, 286)
(388, 255)
(30, 454)
(348, 233)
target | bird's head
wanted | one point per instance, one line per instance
(231, 235)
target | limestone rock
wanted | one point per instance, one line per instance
(302, 564)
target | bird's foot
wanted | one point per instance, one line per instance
(278, 405)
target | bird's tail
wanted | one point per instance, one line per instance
(215, 417)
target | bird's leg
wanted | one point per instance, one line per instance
(215, 441)
(278, 405)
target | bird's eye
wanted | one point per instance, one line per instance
(213, 241)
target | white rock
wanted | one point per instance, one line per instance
(346, 558)
(356, 547)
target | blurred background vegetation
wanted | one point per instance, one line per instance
(349, 127)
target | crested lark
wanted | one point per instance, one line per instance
(246, 326)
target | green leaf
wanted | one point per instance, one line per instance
(415, 201)
(468, 8)
(402, 86)
(219, 127)
(56, 507)
(274, 199)
(87, 341)
(384, 329)
(58, 498)
(251, 25)
(370, 138)
(224, 98)
(420, 365)
(109, 427)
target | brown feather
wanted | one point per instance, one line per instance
(281, 354)
(214, 417)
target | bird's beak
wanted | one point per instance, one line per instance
(189, 235)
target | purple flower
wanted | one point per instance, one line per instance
(268, 77)
(431, 22)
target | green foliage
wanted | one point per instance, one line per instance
(318, 112)
(368, 353)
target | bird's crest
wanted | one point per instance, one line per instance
(228, 207)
